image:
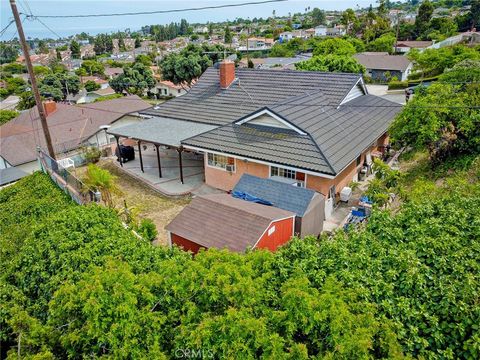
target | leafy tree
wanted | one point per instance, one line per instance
(180, 69)
(14, 85)
(331, 63)
(75, 49)
(431, 62)
(14, 68)
(42, 47)
(424, 15)
(474, 14)
(138, 42)
(8, 53)
(7, 115)
(358, 44)
(91, 85)
(93, 67)
(466, 71)
(318, 17)
(144, 59)
(40, 70)
(348, 18)
(98, 179)
(77, 283)
(103, 44)
(334, 47)
(384, 43)
(27, 101)
(136, 79)
(227, 37)
(59, 86)
(442, 120)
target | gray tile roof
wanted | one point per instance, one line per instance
(336, 135)
(275, 145)
(281, 195)
(10, 175)
(206, 102)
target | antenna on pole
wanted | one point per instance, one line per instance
(33, 81)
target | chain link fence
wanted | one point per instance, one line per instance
(64, 179)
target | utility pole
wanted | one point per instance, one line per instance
(28, 62)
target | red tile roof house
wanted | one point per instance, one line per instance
(71, 127)
(309, 129)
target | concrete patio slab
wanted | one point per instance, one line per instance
(169, 184)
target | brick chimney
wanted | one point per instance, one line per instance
(227, 73)
(50, 106)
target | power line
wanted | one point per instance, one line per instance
(161, 11)
(6, 27)
(46, 26)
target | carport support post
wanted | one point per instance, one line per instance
(119, 152)
(158, 161)
(180, 149)
(140, 155)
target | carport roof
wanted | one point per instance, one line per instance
(160, 130)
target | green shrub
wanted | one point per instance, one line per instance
(147, 229)
(394, 85)
(92, 154)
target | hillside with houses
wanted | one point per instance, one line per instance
(300, 186)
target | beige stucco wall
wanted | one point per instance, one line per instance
(224, 180)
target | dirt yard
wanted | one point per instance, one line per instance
(146, 202)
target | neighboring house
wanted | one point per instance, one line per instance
(168, 88)
(383, 67)
(321, 30)
(9, 103)
(87, 51)
(319, 129)
(310, 32)
(10, 175)
(71, 127)
(405, 46)
(259, 43)
(307, 205)
(279, 63)
(336, 31)
(285, 36)
(102, 82)
(223, 222)
(201, 29)
(112, 72)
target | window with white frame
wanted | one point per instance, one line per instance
(286, 173)
(221, 161)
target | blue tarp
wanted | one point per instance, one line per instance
(245, 196)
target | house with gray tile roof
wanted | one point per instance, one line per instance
(308, 129)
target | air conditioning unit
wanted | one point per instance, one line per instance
(230, 168)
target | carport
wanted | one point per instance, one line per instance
(160, 131)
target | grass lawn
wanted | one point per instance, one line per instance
(146, 202)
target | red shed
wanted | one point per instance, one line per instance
(222, 221)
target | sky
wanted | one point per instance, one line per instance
(66, 27)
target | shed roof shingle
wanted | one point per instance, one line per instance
(226, 222)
